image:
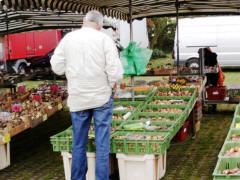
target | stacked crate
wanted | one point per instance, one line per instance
(197, 116)
(228, 165)
(133, 143)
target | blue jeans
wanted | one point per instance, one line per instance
(102, 123)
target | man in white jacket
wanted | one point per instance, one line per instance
(90, 61)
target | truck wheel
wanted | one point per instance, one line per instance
(22, 68)
(193, 62)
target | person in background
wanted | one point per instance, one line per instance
(90, 61)
(213, 79)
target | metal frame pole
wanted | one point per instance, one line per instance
(131, 39)
(5, 61)
(177, 28)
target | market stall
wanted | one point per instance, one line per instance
(27, 108)
(140, 128)
(143, 142)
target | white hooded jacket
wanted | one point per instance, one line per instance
(90, 61)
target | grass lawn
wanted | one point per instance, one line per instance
(232, 78)
(160, 62)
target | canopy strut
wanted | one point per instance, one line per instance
(5, 61)
(131, 39)
(177, 29)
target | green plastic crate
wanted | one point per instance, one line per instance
(62, 142)
(122, 113)
(227, 146)
(90, 142)
(166, 106)
(128, 146)
(91, 147)
(126, 103)
(223, 164)
(156, 107)
(193, 90)
(169, 124)
(186, 99)
(236, 120)
(174, 118)
(230, 133)
(136, 104)
(237, 111)
(184, 116)
(193, 97)
(146, 93)
(149, 115)
(114, 124)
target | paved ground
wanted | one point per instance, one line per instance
(33, 158)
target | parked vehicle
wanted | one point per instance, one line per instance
(28, 48)
(220, 33)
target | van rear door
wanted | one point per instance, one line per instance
(228, 39)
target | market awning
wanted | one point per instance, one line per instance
(120, 9)
(20, 21)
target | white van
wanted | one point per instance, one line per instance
(220, 33)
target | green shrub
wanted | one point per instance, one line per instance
(158, 54)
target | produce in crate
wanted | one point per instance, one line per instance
(175, 87)
(156, 119)
(34, 109)
(115, 117)
(168, 102)
(91, 136)
(140, 137)
(237, 125)
(233, 152)
(92, 128)
(16, 119)
(122, 108)
(235, 137)
(181, 81)
(3, 124)
(144, 126)
(231, 171)
(174, 93)
(167, 110)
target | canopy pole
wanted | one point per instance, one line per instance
(5, 60)
(177, 29)
(131, 39)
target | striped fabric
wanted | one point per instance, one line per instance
(120, 8)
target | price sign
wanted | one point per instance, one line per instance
(45, 117)
(59, 106)
(7, 138)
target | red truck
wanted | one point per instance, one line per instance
(28, 49)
